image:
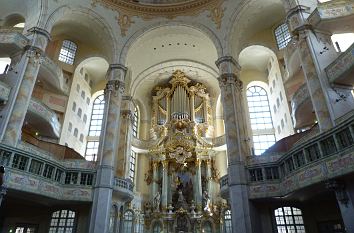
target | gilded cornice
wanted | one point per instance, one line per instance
(128, 9)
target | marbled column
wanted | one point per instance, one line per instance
(102, 199)
(125, 138)
(198, 185)
(165, 185)
(155, 178)
(345, 198)
(314, 58)
(236, 140)
(208, 176)
(21, 93)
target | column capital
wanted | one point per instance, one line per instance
(116, 86)
(41, 31)
(117, 72)
(230, 79)
(228, 64)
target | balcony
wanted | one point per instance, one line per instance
(123, 189)
(341, 71)
(43, 119)
(333, 16)
(322, 157)
(11, 42)
(52, 75)
(46, 176)
(302, 110)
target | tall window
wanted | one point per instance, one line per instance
(97, 116)
(289, 220)
(135, 122)
(261, 119)
(132, 162)
(227, 222)
(95, 128)
(62, 221)
(68, 52)
(282, 35)
(128, 222)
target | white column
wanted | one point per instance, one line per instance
(236, 139)
(165, 185)
(102, 199)
(21, 91)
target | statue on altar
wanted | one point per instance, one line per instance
(206, 202)
(157, 201)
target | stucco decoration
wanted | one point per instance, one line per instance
(168, 9)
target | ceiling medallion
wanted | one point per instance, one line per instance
(128, 9)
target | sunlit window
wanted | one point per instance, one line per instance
(97, 116)
(262, 142)
(135, 122)
(4, 64)
(62, 221)
(95, 128)
(132, 162)
(227, 222)
(68, 52)
(261, 119)
(289, 220)
(282, 36)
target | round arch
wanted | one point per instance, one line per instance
(89, 17)
(242, 32)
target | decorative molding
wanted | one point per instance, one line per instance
(128, 9)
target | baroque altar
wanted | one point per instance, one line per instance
(182, 176)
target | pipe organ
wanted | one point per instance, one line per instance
(182, 99)
(182, 176)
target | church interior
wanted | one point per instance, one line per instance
(177, 116)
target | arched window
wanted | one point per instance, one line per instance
(289, 220)
(135, 122)
(95, 128)
(282, 35)
(97, 116)
(207, 228)
(156, 228)
(227, 222)
(62, 221)
(68, 52)
(128, 222)
(261, 119)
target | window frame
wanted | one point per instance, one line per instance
(68, 52)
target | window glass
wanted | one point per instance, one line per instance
(68, 52)
(260, 118)
(282, 36)
(128, 222)
(227, 222)
(289, 220)
(62, 221)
